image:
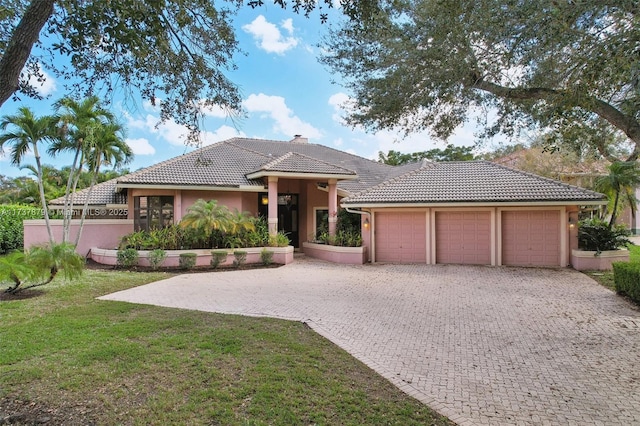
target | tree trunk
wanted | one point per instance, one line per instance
(86, 201)
(68, 206)
(45, 210)
(18, 50)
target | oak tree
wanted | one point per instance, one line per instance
(570, 67)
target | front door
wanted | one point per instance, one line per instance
(287, 215)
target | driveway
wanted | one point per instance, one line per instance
(480, 345)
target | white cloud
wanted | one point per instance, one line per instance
(340, 103)
(44, 86)
(223, 133)
(141, 146)
(285, 122)
(268, 36)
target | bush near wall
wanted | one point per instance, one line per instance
(626, 277)
(11, 229)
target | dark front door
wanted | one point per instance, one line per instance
(287, 215)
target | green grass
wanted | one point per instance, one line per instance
(80, 360)
(605, 278)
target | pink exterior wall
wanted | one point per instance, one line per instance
(233, 200)
(104, 233)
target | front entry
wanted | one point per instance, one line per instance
(287, 214)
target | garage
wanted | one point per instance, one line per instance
(531, 238)
(463, 237)
(400, 237)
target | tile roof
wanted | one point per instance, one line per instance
(101, 194)
(293, 162)
(470, 182)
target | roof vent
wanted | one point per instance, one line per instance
(299, 139)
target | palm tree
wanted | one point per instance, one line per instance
(107, 147)
(207, 216)
(27, 132)
(623, 178)
(40, 265)
(78, 123)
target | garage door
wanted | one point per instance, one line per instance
(401, 237)
(531, 238)
(463, 237)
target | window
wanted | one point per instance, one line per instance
(321, 221)
(152, 212)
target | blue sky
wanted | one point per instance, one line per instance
(286, 91)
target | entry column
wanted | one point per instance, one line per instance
(273, 205)
(333, 206)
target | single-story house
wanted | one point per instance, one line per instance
(473, 212)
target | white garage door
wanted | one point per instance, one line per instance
(463, 238)
(531, 238)
(401, 237)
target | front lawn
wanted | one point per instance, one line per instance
(67, 358)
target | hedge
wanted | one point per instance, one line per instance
(11, 230)
(626, 277)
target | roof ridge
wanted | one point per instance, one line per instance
(276, 160)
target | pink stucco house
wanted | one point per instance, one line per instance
(472, 212)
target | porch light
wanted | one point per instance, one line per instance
(264, 200)
(366, 223)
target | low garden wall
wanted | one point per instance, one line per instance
(582, 260)
(281, 255)
(336, 254)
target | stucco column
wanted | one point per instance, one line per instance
(273, 205)
(333, 206)
(177, 206)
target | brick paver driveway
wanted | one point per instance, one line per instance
(480, 345)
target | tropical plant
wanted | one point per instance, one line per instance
(598, 235)
(40, 265)
(279, 240)
(206, 216)
(622, 180)
(26, 133)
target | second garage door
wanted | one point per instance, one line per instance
(463, 238)
(531, 238)
(401, 237)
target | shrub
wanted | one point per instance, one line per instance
(240, 258)
(11, 228)
(156, 257)
(218, 257)
(266, 257)
(278, 240)
(626, 277)
(187, 260)
(596, 235)
(127, 258)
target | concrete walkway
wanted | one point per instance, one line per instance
(481, 345)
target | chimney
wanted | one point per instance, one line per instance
(299, 139)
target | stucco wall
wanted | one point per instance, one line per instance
(104, 233)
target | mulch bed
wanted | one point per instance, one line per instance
(91, 264)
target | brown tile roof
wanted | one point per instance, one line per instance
(293, 162)
(470, 182)
(101, 194)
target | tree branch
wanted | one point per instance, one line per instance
(623, 122)
(18, 50)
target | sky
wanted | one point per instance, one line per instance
(285, 90)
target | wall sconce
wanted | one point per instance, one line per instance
(572, 221)
(264, 200)
(366, 223)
